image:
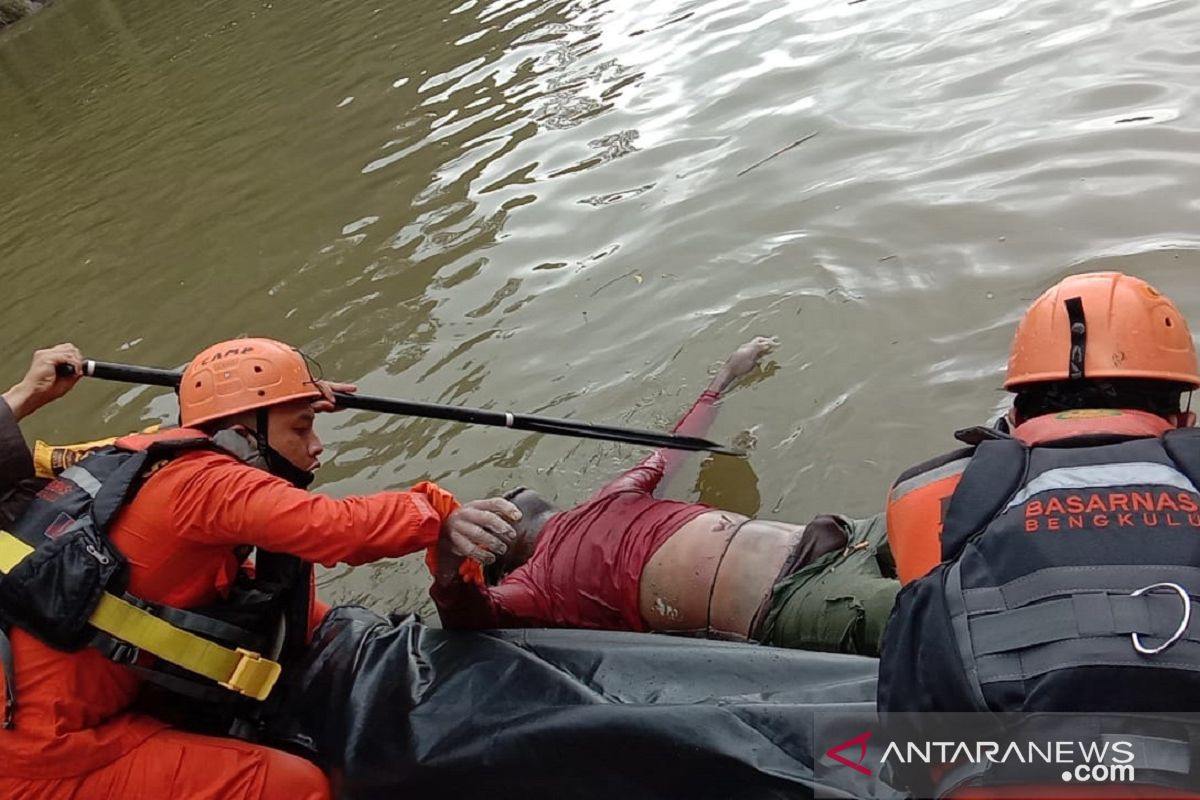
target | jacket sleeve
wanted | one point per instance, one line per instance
(223, 501)
(18, 484)
(468, 605)
(16, 462)
(661, 464)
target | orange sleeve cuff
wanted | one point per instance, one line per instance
(444, 503)
(469, 571)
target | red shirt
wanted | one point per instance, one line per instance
(180, 535)
(586, 570)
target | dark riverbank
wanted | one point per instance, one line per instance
(13, 10)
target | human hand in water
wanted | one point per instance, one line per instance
(746, 357)
(42, 383)
(480, 530)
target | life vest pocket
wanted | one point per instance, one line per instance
(53, 590)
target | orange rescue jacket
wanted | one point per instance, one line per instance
(917, 501)
(181, 535)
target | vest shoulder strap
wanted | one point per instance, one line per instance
(290, 577)
(994, 473)
(171, 439)
(117, 488)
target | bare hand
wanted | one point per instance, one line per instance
(746, 357)
(42, 383)
(328, 402)
(481, 530)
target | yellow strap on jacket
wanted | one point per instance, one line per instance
(240, 670)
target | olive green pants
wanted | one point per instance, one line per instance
(840, 602)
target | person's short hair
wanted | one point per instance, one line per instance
(211, 426)
(1163, 398)
(536, 510)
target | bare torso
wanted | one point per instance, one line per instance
(712, 576)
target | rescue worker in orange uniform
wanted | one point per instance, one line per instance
(229, 480)
(1054, 563)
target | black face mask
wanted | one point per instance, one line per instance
(277, 465)
(280, 467)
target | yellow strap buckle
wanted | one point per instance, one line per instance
(254, 676)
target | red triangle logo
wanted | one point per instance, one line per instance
(861, 741)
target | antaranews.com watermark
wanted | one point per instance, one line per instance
(1085, 761)
(926, 755)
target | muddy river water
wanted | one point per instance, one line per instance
(579, 208)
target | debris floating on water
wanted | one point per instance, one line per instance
(778, 152)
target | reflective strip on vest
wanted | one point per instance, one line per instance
(83, 479)
(925, 478)
(1103, 475)
(240, 670)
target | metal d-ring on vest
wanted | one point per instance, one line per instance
(1187, 618)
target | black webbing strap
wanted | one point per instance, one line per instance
(187, 686)
(1086, 615)
(1078, 337)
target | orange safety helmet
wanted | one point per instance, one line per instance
(1102, 325)
(241, 375)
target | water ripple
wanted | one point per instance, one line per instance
(580, 206)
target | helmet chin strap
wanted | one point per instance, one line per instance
(277, 465)
(1078, 351)
(262, 420)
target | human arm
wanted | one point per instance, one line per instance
(661, 464)
(16, 461)
(42, 383)
(472, 530)
(216, 499)
(463, 599)
(467, 604)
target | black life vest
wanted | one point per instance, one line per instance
(1066, 565)
(54, 591)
